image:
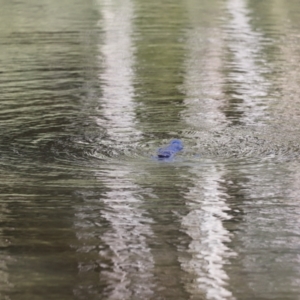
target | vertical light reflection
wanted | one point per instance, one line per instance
(204, 81)
(204, 224)
(126, 260)
(206, 202)
(116, 60)
(131, 275)
(248, 84)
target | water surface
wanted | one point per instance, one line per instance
(90, 90)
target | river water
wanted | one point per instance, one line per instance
(90, 90)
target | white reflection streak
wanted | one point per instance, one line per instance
(116, 56)
(132, 272)
(204, 224)
(130, 276)
(248, 65)
(203, 82)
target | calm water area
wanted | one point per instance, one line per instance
(90, 89)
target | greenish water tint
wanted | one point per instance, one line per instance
(90, 90)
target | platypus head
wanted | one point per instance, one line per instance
(177, 145)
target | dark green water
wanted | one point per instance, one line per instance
(90, 90)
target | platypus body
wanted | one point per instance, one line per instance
(169, 151)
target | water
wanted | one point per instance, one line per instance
(90, 90)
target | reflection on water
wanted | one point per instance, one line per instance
(204, 80)
(125, 260)
(204, 224)
(131, 272)
(119, 253)
(116, 77)
(208, 209)
(247, 66)
(90, 89)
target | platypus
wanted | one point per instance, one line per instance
(169, 151)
